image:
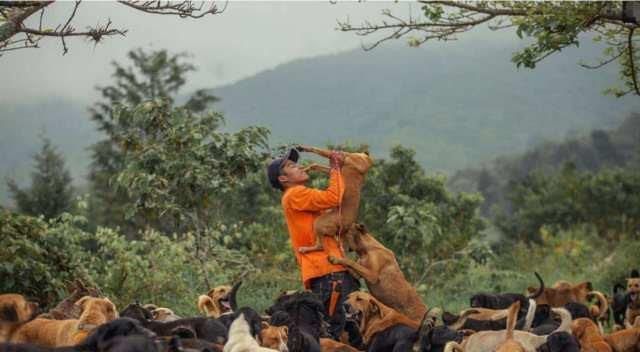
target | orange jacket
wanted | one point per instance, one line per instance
(301, 206)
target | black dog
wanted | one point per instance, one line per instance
(305, 310)
(619, 303)
(298, 340)
(398, 338)
(504, 300)
(560, 342)
(578, 310)
(543, 321)
(208, 329)
(437, 338)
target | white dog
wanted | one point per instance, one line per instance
(240, 339)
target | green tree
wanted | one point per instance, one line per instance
(549, 27)
(50, 193)
(153, 75)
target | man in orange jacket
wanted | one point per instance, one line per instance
(301, 205)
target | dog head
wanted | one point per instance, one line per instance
(137, 312)
(163, 314)
(362, 308)
(274, 337)
(120, 327)
(633, 285)
(360, 161)
(478, 300)
(220, 297)
(561, 341)
(582, 327)
(16, 308)
(352, 237)
(96, 310)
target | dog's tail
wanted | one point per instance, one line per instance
(512, 318)
(565, 323)
(540, 290)
(453, 346)
(232, 296)
(531, 313)
(207, 306)
(603, 304)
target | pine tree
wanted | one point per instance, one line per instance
(50, 193)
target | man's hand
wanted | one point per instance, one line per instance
(303, 148)
(337, 159)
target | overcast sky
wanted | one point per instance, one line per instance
(247, 38)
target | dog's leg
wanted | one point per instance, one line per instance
(367, 274)
(318, 246)
(322, 152)
(317, 167)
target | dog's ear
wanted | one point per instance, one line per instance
(82, 301)
(374, 307)
(264, 325)
(361, 228)
(635, 274)
(285, 330)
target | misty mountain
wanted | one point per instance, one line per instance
(456, 104)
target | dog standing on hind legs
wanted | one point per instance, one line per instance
(334, 221)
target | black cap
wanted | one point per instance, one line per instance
(273, 171)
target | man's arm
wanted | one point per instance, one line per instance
(311, 199)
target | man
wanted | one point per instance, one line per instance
(301, 205)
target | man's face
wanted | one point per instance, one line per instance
(292, 173)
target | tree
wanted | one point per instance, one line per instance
(15, 34)
(50, 193)
(552, 26)
(154, 75)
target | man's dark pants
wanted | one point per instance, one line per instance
(323, 286)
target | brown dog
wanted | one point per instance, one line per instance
(588, 334)
(67, 309)
(219, 300)
(373, 316)
(329, 345)
(633, 304)
(16, 308)
(331, 222)
(563, 292)
(378, 266)
(627, 340)
(510, 344)
(274, 337)
(56, 333)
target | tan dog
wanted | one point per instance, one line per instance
(56, 333)
(633, 306)
(563, 292)
(331, 222)
(219, 300)
(274, 337)
(378, 266)
(373, 316)
(588, 334)
(510, 344)
(164, 314)
(16, 308)
(488, 341)
(627, 340)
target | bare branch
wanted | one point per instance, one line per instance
(183, 8)
(605, 62)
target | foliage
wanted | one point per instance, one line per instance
(50, 193)
(609, 201)
(153, 75)
(39, 258)
(548, 26)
